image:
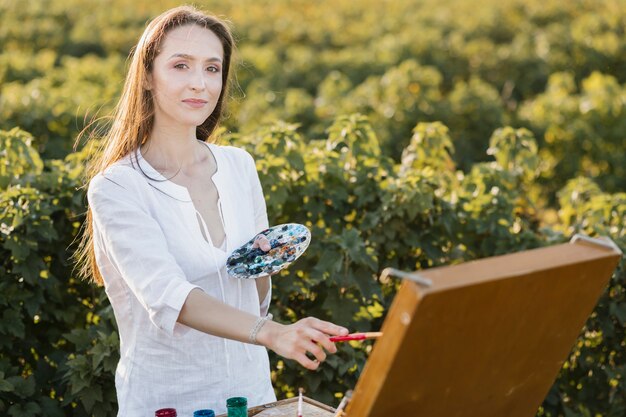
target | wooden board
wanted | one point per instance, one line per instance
(487, 339)
(289, 408)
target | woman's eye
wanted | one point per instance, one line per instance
(180, 66)
(213, 69)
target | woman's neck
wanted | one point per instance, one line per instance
(170, 149)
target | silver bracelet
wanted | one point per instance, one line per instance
(257, 326)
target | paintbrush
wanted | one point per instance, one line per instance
(300, 390)
(356, 336)
(343, 403)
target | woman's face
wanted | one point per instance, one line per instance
(186, 77)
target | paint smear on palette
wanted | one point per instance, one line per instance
(288, 242)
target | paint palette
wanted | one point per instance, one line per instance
(288, 242)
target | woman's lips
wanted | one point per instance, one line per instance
(195, 103)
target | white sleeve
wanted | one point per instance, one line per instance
(260, 221)
(137, 248)
(260, 209)
(265, 304)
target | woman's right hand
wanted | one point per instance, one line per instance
(293, 341)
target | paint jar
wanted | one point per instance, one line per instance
(237, 407)
(204, 413)
(165, 412)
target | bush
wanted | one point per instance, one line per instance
(389, 186)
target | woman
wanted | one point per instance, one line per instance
(166, 207)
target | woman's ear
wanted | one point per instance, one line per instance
(147, 82)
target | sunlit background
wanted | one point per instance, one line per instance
(403, 133)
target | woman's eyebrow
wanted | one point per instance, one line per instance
(192, 58)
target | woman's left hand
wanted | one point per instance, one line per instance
(261, 242)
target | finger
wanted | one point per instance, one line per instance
(321, 338)
(303, 360)
(316, 351)
(328, 327)
(262, 243)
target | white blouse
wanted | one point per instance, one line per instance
(151, 253)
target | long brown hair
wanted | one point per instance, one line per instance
(133, 117)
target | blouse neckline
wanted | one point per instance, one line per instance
(169, 187)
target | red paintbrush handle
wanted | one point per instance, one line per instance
(354, 336)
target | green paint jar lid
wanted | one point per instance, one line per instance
(237, 407)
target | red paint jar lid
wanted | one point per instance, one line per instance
(165, 412)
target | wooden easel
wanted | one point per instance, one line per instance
(486, 338)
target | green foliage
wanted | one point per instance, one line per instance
(475, 112)
(21, 162)
(43, 306)
(583, 131)
(57, 106)
(592, 380)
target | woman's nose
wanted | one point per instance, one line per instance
(197, 81)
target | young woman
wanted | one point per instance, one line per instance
(166, 207)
